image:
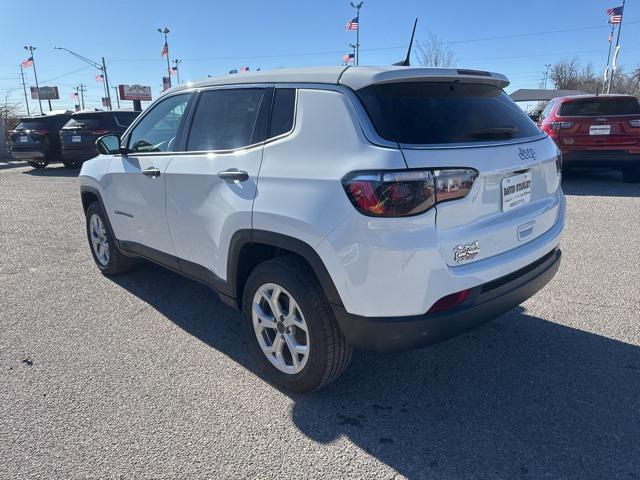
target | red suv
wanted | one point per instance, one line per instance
(601, 131)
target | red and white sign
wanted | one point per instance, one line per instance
(134, 92)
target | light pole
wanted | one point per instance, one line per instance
(117, 96)
(165, 51)
(30, 49)
(357, 7)
(100, 66)
(24, 89)
(547, 66)
(177, 67)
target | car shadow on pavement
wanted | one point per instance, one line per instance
(53, 171)
(601, 183)
(521, 397)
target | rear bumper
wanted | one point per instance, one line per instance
(601, 159)
(485, 303)
(27, 153)
(79, 153)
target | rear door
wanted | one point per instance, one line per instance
(600, 122)
(136, 181)
(212, 184)
(450, 127)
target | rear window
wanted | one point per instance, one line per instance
(88, 121)
(600, 107)
(444, 112)
(29, 124)
(124, 119)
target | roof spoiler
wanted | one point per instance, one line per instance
(407, 61)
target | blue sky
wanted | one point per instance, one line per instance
(213, 37)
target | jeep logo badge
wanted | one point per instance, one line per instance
(464, 253)
(527, 153)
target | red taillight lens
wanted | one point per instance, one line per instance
(407, 192)
(450, 301)
(41, 132)
(102, 131)
(561, 125)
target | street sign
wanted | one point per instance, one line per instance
(134, 92)
(46, 93)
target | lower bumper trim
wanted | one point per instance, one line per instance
(406, 333)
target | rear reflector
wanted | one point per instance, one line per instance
(450, 301)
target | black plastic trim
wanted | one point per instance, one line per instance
(406, 333)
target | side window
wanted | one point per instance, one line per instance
(284, 104)
(225, 119)
(157, 131)
(546, 111)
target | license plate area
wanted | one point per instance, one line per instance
(24, 139)
(600, 130)
(516, 191)
(76, 139)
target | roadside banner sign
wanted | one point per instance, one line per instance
(166, 83)
(46, 93)
(105, 102)
(134, 92)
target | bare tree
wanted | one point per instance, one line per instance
(434, 53)
(565, 74)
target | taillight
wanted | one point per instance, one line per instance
(450, 301)
(41, 132)
(634, 123)
(102, 131)
(561, 125)
(406, 192)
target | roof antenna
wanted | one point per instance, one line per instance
(407, 61)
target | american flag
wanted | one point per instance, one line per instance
(165, 50)
(174, 70)
(99, 78)
(27, 63)
(244, 69)
(74, 96)
(348, 57)
(615, 14)
(352, 24)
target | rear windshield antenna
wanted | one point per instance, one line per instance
(407, 61)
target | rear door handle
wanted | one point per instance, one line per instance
(234, 175)
(151, 172)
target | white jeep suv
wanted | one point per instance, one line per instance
(382, 208)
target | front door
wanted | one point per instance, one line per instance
(136, 189)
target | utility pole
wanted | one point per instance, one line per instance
(164, 31)
(80, 89)
(30, 49)
(102, 67)
(24, 89)
(615, 52)
(117, 96)
(547, 66)
(177, 62)
(357, 51)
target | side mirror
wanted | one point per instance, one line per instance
(109, 145)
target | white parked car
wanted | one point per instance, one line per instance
(382, 208)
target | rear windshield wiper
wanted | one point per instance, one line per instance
(494, 133)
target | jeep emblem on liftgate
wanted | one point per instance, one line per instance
(527, 153)
(464, 253)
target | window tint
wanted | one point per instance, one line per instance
(88, 121)
(444, 112)
(124, 119)
(157, 131)
(545, 113)
(225, 119)
(29, 124)
(284, 103)
(600, 106)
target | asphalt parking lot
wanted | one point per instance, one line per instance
(148, 374)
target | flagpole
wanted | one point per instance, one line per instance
(24, 89)
(613, 70)
(604, 83)
(165, 30)
(35, 75)
(357, 7)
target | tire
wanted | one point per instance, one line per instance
(631, 175)
(38, 164)
(328, 353)
(69, 164)
(113, 262)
